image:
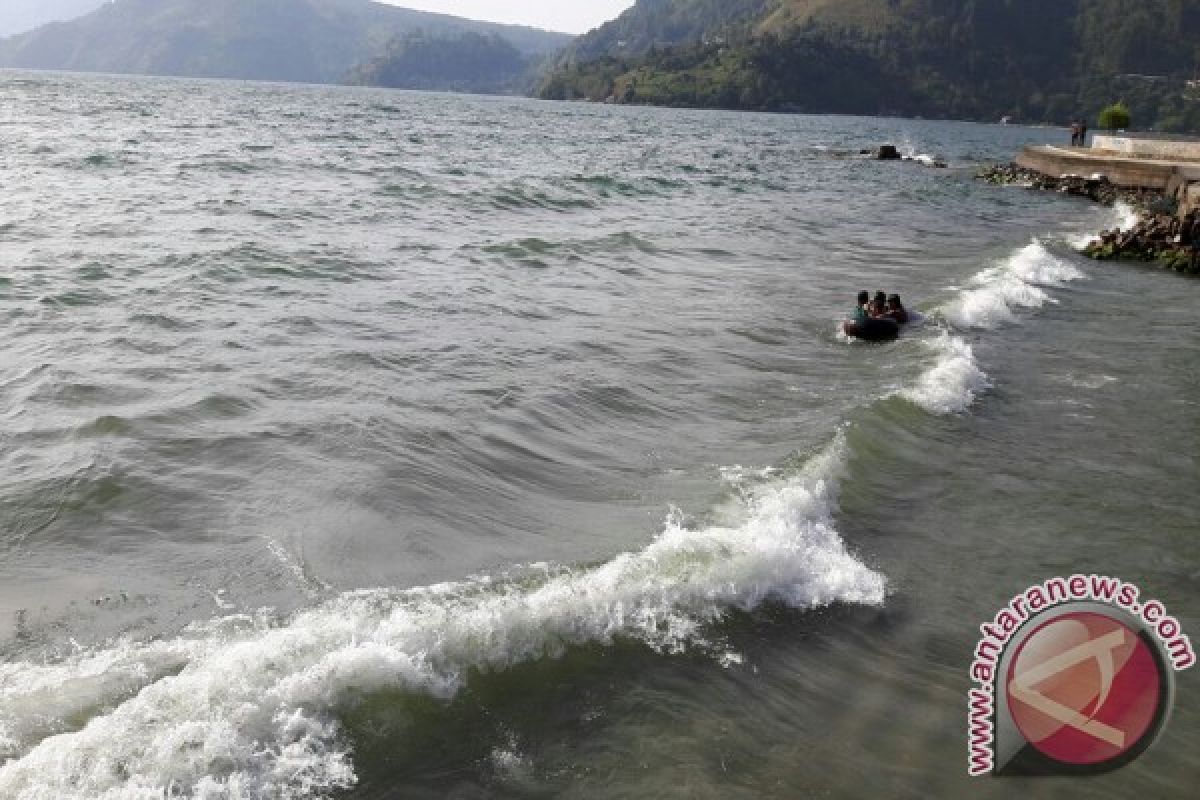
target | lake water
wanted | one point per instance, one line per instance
(365, 444)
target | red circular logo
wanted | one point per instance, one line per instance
(1084, 688)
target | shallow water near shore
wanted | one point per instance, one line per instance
(367, 444)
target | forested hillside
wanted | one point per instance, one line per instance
(1035, 60)
(660, 23)
(470, 62)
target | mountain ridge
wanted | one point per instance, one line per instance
(973, 59)
(314, 41)
(19, 16)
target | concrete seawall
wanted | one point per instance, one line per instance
(1176, 178)
(1140, 147)
(1141, 171)
(1127, 172)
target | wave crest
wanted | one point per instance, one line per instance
(246, 707)
(953, 383)
(1015, 284)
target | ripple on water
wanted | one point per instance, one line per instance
(164, 322)
(52, 387)
(93, 271)
(100, 160)
(76, 298)
(519, 197)
(108, 425)
(540, 253)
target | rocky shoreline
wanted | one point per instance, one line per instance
(1160, 235)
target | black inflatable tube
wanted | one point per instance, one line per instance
(876, 329)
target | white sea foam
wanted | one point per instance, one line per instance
(246, 707)
(1017, 283)
(509, 762)
(953, 383)
(1124, 217)
(1127, 215)
(907, 147)
(1090, 382)
(993, 296)
(912, 151)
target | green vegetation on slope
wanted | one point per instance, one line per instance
(1035, 60)
(470, 62)
(834, 75)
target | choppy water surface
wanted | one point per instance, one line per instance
(389, 445)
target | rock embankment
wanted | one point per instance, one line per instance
(1160, 234)
(1172, 242)
(1096, 188)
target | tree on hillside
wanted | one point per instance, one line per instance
(1115, 117)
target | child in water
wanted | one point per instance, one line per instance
(882, 306)
(860, 310)
(879, 305)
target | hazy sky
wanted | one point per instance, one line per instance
(571, 16)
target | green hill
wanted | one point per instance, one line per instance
(469, 62)
(1036, 60)
(315, 41)
(664, 23)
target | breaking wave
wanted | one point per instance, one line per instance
(953, 383)
(997, 293)
(992, 299)
(248, 706)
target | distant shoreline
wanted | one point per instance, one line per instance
(524, 96)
